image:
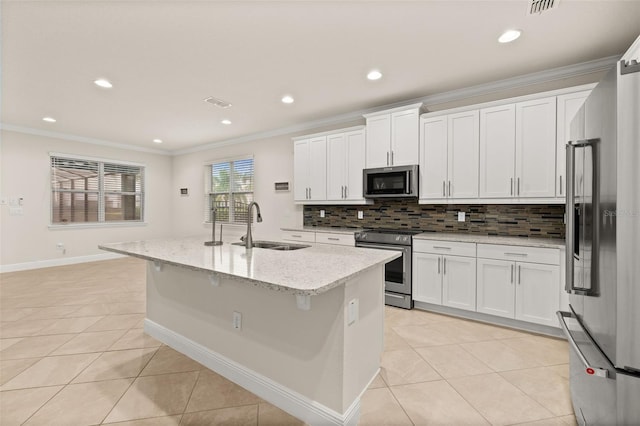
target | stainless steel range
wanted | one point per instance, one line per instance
(397, 287)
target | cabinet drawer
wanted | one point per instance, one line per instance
(549, 256)
(445, 247)
(309, 237)
(339, 239)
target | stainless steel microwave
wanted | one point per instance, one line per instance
(390, 182)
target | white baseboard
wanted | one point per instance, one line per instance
(307, 410)
(37, 264)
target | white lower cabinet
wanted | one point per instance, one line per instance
(516, 289)
(444, 279)
(521, 283)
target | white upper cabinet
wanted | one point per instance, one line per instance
(345, 161)
(449, 156)
(327, 167)
(567, 107)
(536, 148)
(310, 169)
(497, 151)
(392, 137)
(517, 150)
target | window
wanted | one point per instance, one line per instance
(95, 191)
(229, 189)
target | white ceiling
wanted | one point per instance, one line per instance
(165, 57)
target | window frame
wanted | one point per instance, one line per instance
(208, 188)
(101, 192)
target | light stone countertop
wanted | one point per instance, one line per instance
(326, 229)
(308, 271)
(492, 239)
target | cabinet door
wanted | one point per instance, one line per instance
(497, 151)
(318, 168)
(427, 278)
(463, 147)
(378, 141)
(567, 106)
(336, 166)
(433, 158)
(496, 287)
(537, 297)
(300, 170)
(355, 142)
(404, 137)
(459, 282)
(536, 148)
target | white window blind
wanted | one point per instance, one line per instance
(92, 191)
(229, 190)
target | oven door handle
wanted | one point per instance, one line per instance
(383, 247)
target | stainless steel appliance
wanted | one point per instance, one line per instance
(397, 273)
(390, 182)
(603, 249)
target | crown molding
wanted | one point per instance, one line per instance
(82, 139)
(554, 74)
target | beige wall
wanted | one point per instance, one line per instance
(25, 172)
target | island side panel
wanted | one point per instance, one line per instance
(301, 350)
(364, 338)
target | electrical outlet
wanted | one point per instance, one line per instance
(360, 214)
(321, 213)
(352, 311)
(461, 216)
(60, 246)
(237, 320)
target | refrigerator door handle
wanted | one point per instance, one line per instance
(570, 205)
(590, 370)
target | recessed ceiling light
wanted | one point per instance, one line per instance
(226, 121)
(287, 99)
(157, 140)
(49, 119)
(509, 36)
(374, 75)
(104, 83)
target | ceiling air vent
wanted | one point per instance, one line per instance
(217, 102)
(539, 6)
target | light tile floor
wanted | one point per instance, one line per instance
(73, 352)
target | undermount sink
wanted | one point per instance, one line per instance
(272, 245)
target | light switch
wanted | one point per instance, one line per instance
(360, 214)
(321, 213)
(461, 216)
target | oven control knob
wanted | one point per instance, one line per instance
(398, 238)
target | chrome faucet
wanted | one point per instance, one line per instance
(248, 239)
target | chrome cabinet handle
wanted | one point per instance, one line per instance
(444, 266)
(346, 191)
(309, 193)
(449, 188)
(296, 236)
(519, 274)
(511, 186)
(512, 273)
(441, 248)
(516, 254)
(342, 188)
(518, 186)
(444, 189)
(560, 184)
(392, 158)
(438, 265)
(333, 239)
(387, 158)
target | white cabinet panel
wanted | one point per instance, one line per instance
(310, 169)
(497, 151)
(301, 170)
(537, 298)
(496, 288)
(459, 282)
(433, 158)
(378, 141)
(355, 142)
(463, 146)
(567, 106)
(336, 166)
(427, 281)
(536, 148)
(404, 137)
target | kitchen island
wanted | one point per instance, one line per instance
(302, 329)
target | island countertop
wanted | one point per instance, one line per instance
(308, 271)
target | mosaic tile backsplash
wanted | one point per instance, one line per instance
(521, 220)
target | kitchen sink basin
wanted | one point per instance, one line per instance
(272, 245)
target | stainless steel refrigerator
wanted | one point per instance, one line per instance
(603, 249)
